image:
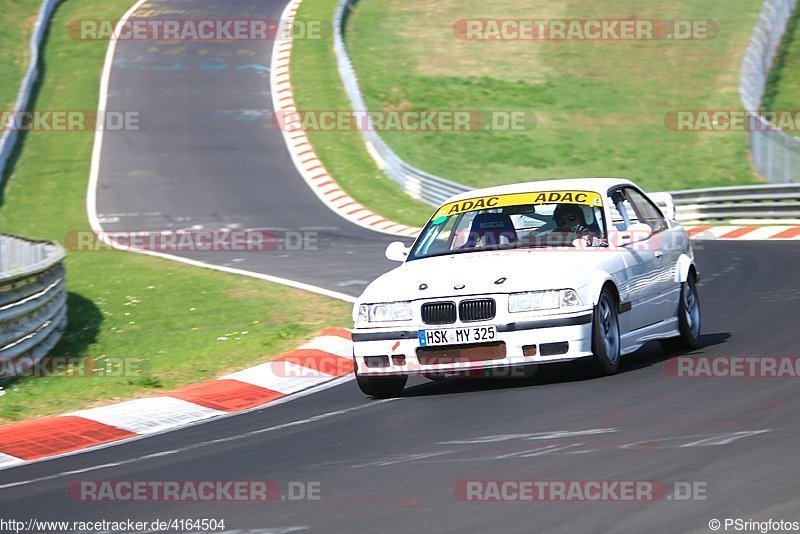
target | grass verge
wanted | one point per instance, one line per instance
(783, 84)
(174, 323)
(16, 20)
(600, 106)
(317, 86)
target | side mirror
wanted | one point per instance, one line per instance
(397, 251)
(635, 233)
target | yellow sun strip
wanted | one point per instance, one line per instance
(587, 198)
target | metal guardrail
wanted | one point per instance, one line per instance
(759, 202)
(775, 153)
(9, 136)
(33, 298)
(417, 183)
(749, 202)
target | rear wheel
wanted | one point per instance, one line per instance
(605, 334)
(689, 319)
(382, 387)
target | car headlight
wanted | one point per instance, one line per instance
(543, 300)
(384, 311)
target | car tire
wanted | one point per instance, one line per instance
(381, 387)
(606, 342)
(689, 319)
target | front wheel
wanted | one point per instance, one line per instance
(688, 319)
(605, 334)
(381, 387)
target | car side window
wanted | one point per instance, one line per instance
(617, 220)
(646, 211)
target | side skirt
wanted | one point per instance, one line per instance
(632, 341)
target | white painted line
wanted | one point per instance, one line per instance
(94, 175)
(236, 437)
(266, 277)
(91, 197)
(149, 415)
(282, 400)
(723, 439)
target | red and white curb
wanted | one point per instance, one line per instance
(322, 360)
(305, 159)
(745, 233)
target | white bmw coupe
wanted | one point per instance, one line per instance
(527, 274)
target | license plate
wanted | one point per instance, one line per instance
(456, 336)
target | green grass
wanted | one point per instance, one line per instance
(600, 106)
(166, 317)
(16, 20)
(783, 84)
(317, 86)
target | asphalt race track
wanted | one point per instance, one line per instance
(208, 157)
(393, 465)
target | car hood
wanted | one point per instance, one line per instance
(478, 272)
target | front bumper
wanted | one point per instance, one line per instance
(554, 338)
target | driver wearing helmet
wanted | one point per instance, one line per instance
(570, 219)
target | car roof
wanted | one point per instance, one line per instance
(599, 185)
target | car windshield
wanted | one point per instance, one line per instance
(549, 219)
